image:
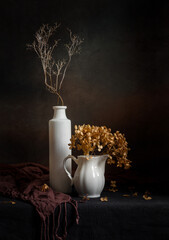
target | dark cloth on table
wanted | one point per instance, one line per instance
(25, 182)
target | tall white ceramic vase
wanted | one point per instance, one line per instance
(59, 138)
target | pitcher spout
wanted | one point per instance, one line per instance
(102, 160)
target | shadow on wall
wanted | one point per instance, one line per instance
(30, 146)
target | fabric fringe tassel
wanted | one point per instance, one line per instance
(45, 230)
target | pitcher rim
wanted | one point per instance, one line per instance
(93, 155)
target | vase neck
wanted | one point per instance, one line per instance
(60, 112)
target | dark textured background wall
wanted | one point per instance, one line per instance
(120, 79)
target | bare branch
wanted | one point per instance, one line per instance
(54, 72)
(72, 48)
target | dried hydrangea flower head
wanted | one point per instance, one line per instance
(94, 140)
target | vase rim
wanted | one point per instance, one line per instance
(59, 107)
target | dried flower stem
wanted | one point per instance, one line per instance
(54, 72)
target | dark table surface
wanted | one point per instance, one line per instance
(119, 218)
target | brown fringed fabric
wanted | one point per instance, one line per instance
(25, 181)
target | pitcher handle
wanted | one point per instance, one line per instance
(64, 165)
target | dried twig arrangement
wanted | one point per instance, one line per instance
(54, 71)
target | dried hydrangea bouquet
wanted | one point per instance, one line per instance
(97, 144)
(54, 75)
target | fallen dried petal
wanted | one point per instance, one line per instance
(85, 198)
(6, 202)
(113, 183)
(147, 197)
(135, 194)
(126, 195)
(45, 187)
(113, 189)
(104, 199)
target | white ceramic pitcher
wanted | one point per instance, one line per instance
(89, 179)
